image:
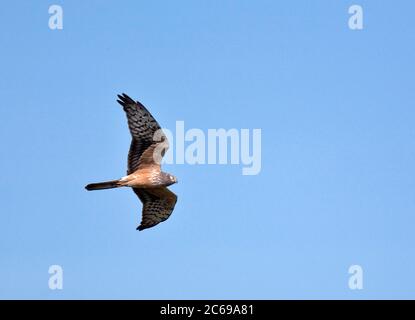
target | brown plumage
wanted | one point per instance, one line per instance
(144, 174)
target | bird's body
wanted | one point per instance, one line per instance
(142, 178)
(145, 178)
(144, 173)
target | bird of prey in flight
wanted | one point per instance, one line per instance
(144, 173)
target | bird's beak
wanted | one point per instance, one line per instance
(175, 180)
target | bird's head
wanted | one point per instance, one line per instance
(170, 179)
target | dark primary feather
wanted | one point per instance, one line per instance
(158, 204)
(142, 127)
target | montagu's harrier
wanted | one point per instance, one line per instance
(144, 173)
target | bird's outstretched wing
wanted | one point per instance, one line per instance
(152, 156)
(144, 129)
(158, 204)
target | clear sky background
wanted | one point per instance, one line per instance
(336, 109)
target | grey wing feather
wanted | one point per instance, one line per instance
(158, 204)
(142, 127)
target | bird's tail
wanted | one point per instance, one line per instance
(103, 185)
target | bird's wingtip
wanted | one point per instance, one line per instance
(124, 99)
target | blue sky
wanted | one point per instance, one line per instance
(336, 110)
